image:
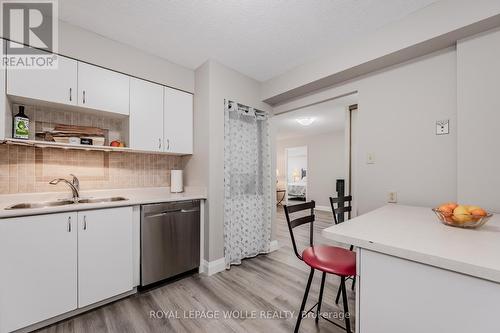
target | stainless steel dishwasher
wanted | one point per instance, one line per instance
(170, 239)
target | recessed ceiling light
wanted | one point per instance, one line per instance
(305, 121)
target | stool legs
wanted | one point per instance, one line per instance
(346, 307)
(339, 290)
(318, 309)
(304, 300)
(338, 294)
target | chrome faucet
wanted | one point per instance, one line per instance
(75, 182)
(74, 185)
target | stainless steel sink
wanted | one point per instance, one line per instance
(28, 205)
(98, 200)
(45, 204)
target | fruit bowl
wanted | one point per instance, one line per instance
(462, 220)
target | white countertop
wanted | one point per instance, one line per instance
(415, 233)
(135, 196)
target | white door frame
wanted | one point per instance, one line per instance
(350, 154)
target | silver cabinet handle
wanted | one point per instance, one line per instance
(159, 143)
(70, 94)
(84, 222)
(84, 97)
(69, 224)
(168, 144)
(194, 210)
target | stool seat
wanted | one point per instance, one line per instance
(331, 259)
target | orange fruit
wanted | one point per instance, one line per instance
(446, 210)
(449, 219)
(479, 212)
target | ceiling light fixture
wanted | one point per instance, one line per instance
(305, 121)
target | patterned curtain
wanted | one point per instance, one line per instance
(247, 183)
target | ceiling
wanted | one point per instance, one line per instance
(259, 38)
(328, 117)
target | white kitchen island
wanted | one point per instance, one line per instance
(416, 275)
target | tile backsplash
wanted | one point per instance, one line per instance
(28, 169)
(44, 118)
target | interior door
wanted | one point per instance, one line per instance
(102, 89)
(105, 254)
(51, 85)
(38, 261)
(178, 121)
(146, 115)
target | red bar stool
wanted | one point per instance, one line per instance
(324, 258)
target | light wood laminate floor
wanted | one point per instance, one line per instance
(274, 282)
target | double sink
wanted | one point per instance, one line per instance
(27, 205)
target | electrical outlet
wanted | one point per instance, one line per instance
(392, 197)
(370, 158)
(443, 127)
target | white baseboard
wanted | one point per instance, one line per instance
(212, 267)
(324, 208)
(274, 246)
(219, 265)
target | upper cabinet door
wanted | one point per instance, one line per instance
(38, 261)
(51, 85)
(105, 254)
(102, 89)
(146, 115)
(178, 121)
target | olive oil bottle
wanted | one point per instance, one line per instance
(21, 128)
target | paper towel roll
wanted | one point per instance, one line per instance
(176, 185)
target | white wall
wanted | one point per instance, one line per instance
(478, 120)
(432, 28)
(325, 160)
(3, 100)
(398, 108)
(223, 83)
(196, 166)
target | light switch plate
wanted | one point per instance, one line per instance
(392, 197)
(443, 127)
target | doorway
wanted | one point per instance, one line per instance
(296, 174)
(325, 135)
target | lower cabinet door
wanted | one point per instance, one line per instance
(38, 268)
(105, 254)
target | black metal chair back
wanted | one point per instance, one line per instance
(339, 212)
(292, 223)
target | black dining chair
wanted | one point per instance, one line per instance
(324, 258)
(339, 217)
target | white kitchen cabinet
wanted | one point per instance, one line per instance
(38, 260)
(103, 89)
(415, 290)
(178, 121)
(50, 85)
(146, 115)
(105, 254)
